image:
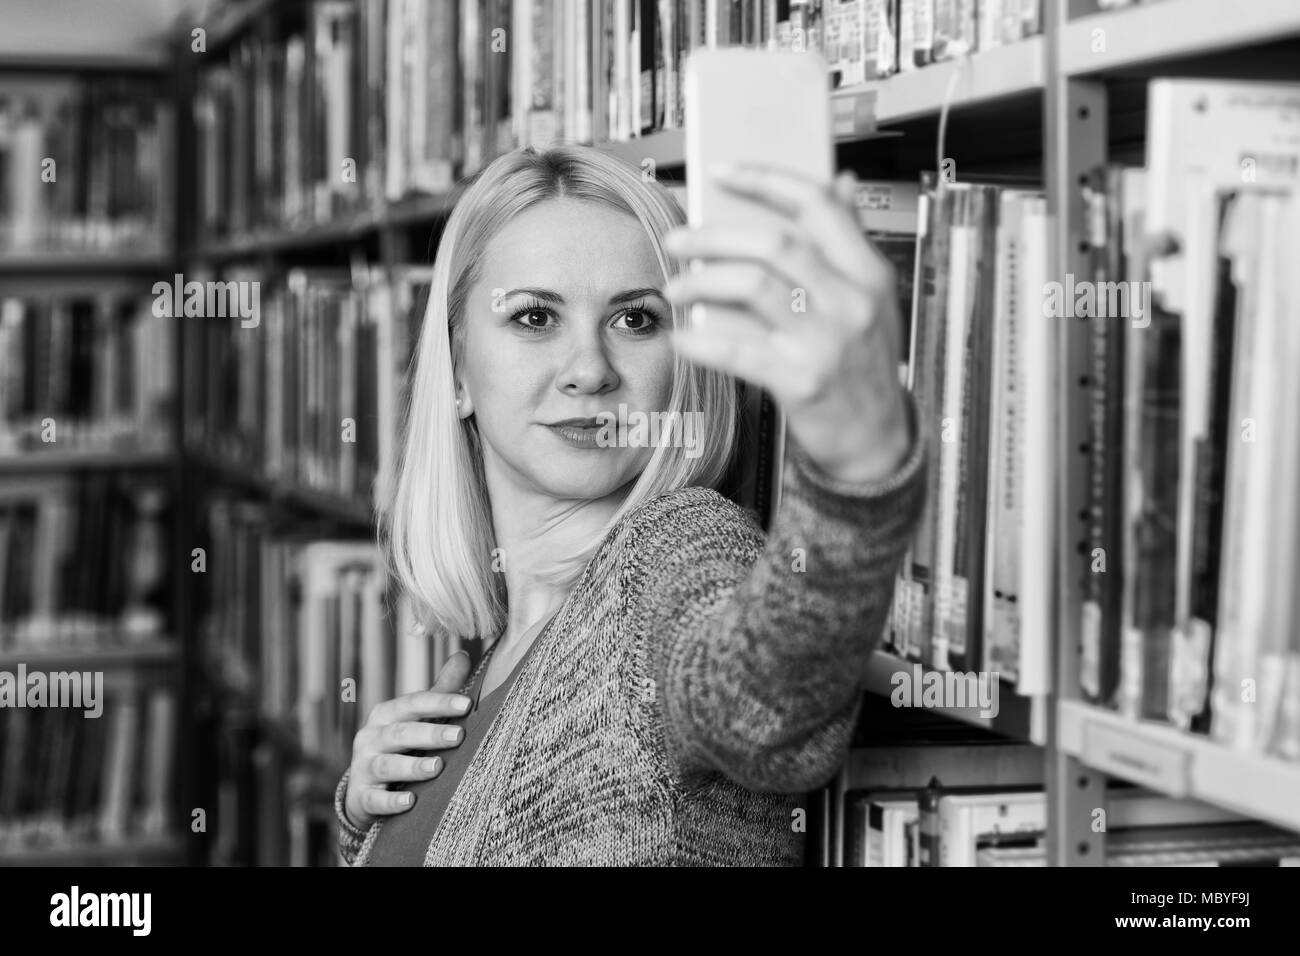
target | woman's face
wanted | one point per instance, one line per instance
(565, 323)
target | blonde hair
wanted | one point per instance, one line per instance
(437, 531)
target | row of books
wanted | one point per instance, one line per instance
(85, 165)
(84, 560)
(996, 826)
(868, 39)
(1194, 520)
(69, 780)
(305, 626)
(353, 105)
(306, 391)
(350, 105)
(974, 592)
(1192, 467)
(84, 373)
(270, 809)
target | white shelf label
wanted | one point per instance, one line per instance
(853, 113)
(1120, 752)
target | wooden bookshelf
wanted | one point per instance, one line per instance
(39, 461)
(128, 269)
(149, 851)
(61, 263)
(405, 212)
(316, 503)
(321, 234)
(154, 651)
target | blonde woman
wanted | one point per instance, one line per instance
(661, 683)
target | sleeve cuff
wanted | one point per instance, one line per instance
(350, 838)
(902, 476)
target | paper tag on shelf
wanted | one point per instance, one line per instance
(853, 114)
(1121, 752)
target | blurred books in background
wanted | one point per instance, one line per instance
(85, 165)
(81, 373)
(84, 561)
(309, 397)
(73, 782)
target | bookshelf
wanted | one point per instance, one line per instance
(153, 652)
(984, 77)
(62, 263)
(1006, 73)
(85, 256)
(46, 461)
(1089, 743)
(1147, 36)
(1022, 718)
(150, 852)
(1077, 87)
(1182, 765)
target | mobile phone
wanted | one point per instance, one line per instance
(763, 106)
(746, 105)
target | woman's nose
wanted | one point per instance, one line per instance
(587, 370)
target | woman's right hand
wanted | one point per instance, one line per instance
(395, 726)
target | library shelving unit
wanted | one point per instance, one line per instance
(126, 659)
(1086, 93)
(1048, 108)
(1087, 109)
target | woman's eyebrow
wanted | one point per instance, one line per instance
(631, 294)
(547, 295)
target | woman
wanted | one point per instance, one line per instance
(662, 683)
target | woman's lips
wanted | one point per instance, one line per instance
(578, 432)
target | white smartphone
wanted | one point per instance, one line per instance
(764, 106)
(746, 105)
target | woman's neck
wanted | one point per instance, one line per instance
(532, 531)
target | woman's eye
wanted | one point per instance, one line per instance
(533, 319)
(638, 320)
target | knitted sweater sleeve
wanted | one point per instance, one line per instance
(758, 649)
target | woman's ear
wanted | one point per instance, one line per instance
(464, 404)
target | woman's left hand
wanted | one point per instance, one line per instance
(808, 310)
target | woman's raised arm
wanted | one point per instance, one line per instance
(758, 650)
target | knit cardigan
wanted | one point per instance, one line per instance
(697, 682)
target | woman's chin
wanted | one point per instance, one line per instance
(584, 476)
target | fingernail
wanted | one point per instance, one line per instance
(451, 734)
(461, 704)
(408, 799)
(431, 764)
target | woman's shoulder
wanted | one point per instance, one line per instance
(691, 519)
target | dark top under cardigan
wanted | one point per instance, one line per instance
(404, 838)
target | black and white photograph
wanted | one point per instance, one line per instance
(816, 434)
